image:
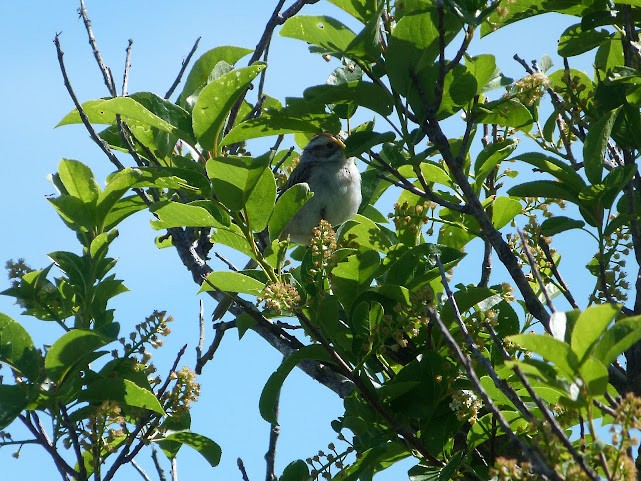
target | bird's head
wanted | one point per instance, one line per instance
(324, 146)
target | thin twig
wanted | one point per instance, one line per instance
(83, 116)
(538, 460)
(535, 270)
(159, 470)
(555, 272)
(220, 328)
(141, 471)
(106, 72)
(125, 75)
(366, 392)
(270, 455)
(229, 264)
(277, 18)
(61, 465)
(243, 471)
(183, 67)
(174, 469)
(75, 442)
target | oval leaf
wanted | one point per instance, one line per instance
(216, 100)
(272, 388)
(17, 349)
(232, 282)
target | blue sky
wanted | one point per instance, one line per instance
(35, 100)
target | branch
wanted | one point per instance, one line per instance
(433, 130)
(83, 116)
(277, 18)
(270, 455)
(531, 452)
(243, 471)
(202, 359)
(141, 471)
(535, 271)
(555, 272)
(106, 72)
(73, 435)
(183, 67)
(159, 470)
(41, 436)
(125, 75)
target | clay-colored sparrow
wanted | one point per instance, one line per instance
(335, 182)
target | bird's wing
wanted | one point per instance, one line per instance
(299, 174)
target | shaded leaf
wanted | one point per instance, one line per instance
(272, 388)
(17, 349)
(205, 446)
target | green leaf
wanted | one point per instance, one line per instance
(131, 110)
(620, 337)
(234, 178)
(283, 121)
(122, 209)
(543, 188)
(359, 9)
(79, 180)
(557, 224)
(216, 100)
(123, 391)
(326, 33)
(353, 276)
(205, 446)
(202, 68)
(286, 206)
(73, 348)
(232, 282)
(17, 349)
(555, 167)
(490, 157)
(366, 233)
(505, 112)
(360, 142)
(595, 376)
(296, 471)
(13, 401)
(260, 203)
(363, 94)
(596, 141)
(434, 473)
(516, 11)
(414, 45)
(550, 349)
(591, 323)
(504, 210)
(272, 388)
(575, 41)
(176, 214)
(488, 76)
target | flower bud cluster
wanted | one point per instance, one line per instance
(280, 297)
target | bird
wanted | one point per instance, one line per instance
(335, 181)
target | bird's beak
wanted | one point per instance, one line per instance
(338, 141)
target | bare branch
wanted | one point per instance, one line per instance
(220, 328)
(83, 116)
(270, 455)
(141, 471)
(73, 436)
(125, 75)
(241, 467)
(159, 470)
(183, 67)
(106, 72)
(277, 18)
(535, 271)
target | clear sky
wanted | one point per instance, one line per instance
(34, 100)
